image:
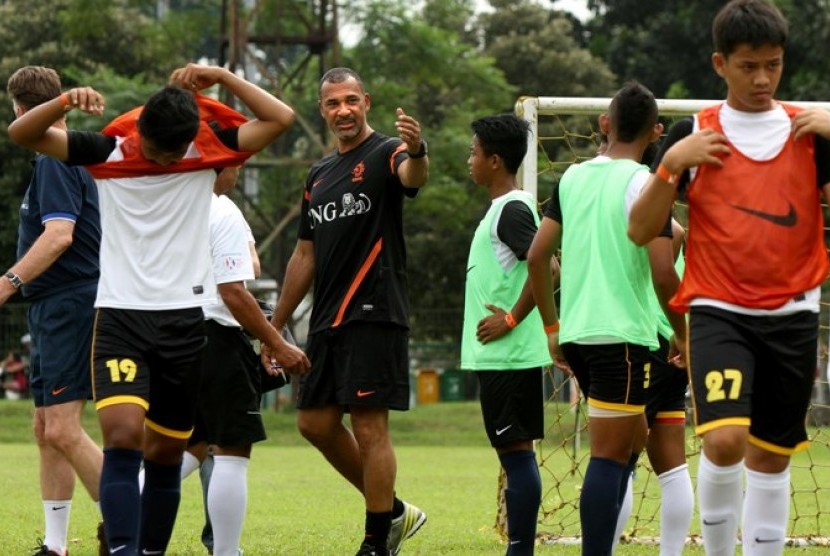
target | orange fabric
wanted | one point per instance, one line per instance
(361, 274)
(213, 153)
(756, 230)
(401, 148)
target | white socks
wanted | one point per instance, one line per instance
(56, 514)
(227, 500)
(766, 510)
(676, 508)
(719, 491)
(190, 463)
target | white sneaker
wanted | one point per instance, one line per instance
(404, 526)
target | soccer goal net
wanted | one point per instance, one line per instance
(565, 132)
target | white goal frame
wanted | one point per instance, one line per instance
(529, 108)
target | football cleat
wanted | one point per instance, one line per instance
(44, 550)
(404, 526)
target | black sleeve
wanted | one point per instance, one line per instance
(553, 210)
(229, 137)
(516, 228)
(678, 131)
(86, 148)
(822, 161)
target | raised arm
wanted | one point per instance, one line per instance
(414, 171)
(36, 128)
(651, 209)
(272, 116)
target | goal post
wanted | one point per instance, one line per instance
(563, 132)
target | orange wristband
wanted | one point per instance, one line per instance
(511, 322)
(65, 100)
(664, 174)
(551, 328)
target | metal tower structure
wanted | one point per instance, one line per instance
(301, 37)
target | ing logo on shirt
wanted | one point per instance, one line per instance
(350, 205)
(358, 171)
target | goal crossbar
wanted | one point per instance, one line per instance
(529, 109)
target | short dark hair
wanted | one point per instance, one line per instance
(339, 75)
(170, 118)
(633, 112)
(752, 22)
(504, 135)
(31, 86)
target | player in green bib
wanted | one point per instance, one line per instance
(608, 327)
(503, 340)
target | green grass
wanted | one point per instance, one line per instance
(297, 503)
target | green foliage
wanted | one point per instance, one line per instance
(443, 75)
(667, 46)
(538, 52)
(117, 46)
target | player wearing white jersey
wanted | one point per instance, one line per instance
(149, 330)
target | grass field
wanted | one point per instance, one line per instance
(297, 504)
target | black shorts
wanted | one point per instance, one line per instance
(611, 376)
(665, 389)
(152, 359)
(229, 395)
(512, 405)
(358, 364)
(753, 370)
(61, 329)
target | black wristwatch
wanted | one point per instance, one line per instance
(14, 279)
(422, 152)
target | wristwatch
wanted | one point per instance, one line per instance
(422, 152)
(14, 279)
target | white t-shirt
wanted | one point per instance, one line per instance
(154, 246)
(230, 239)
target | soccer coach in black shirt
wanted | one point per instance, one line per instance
(351, 245)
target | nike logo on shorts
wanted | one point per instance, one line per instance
(59, 391)
(364, 393)
(499, 432)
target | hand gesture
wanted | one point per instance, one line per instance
(409, 130)
(703, 147)
(492, 327)
(197, 77)
(85, 99)
(814, 120)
